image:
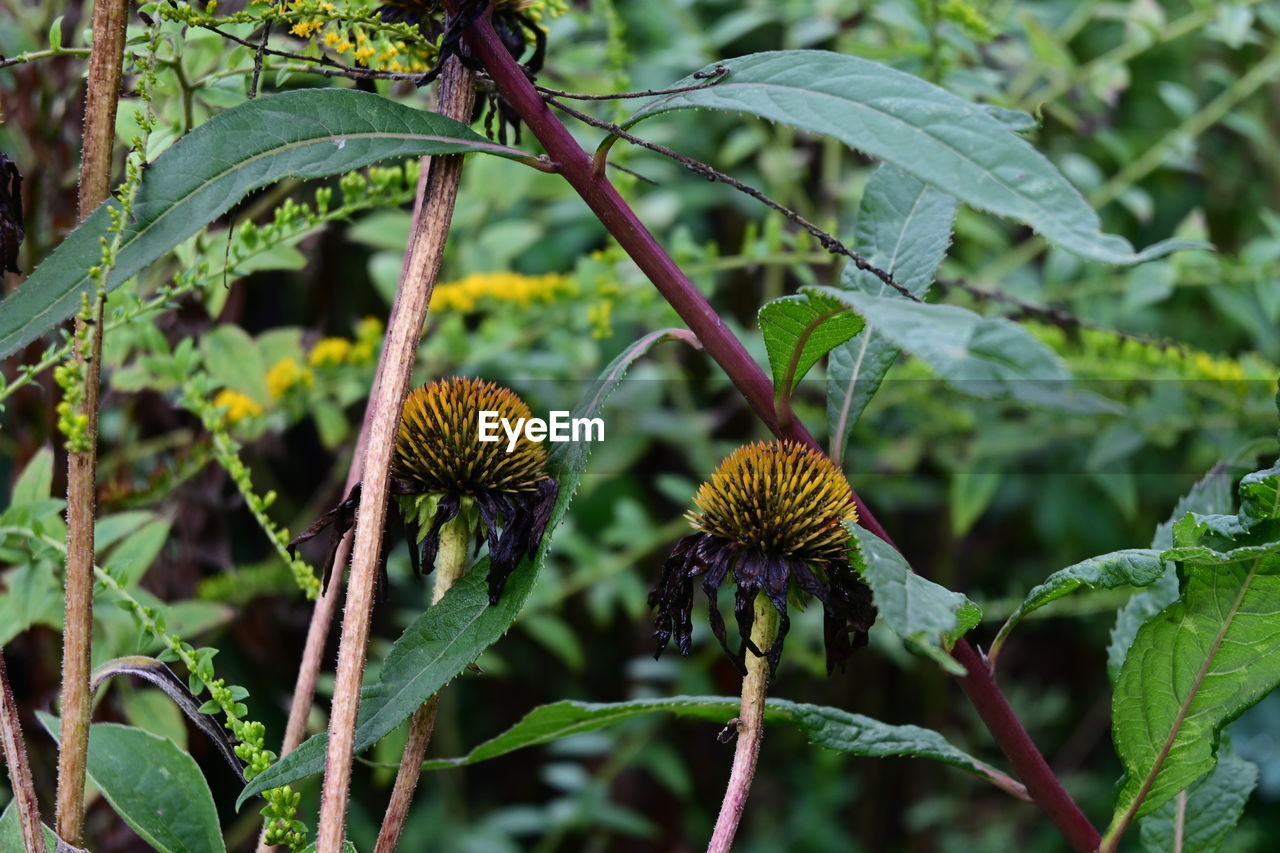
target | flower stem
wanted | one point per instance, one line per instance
(404, 330)
(451, 562)
(750, 725)
(15, 755)
(109, 20)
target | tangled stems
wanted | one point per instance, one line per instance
(750, 726)
(451, 562)
(580, 171)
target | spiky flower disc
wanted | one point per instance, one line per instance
(438, 447)
(773, 515)
(779, 497)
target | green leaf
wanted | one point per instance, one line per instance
(310, 133)
(1212, 494)
(1213, 808)
(1197, 665)
(929, 618)
(129, 560)
(945, 141)
(831, 728)
(156, 788)
(450, 635)
(36, 480)
(1135, 567)
(969, 495)
(799, 330)
(233, 360)
(11, 832)
(109, 529)
(976, 355)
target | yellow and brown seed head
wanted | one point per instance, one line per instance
(779, 497)
(438, 447)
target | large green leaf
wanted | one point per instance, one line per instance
(954, 145)
(828, 727)
(310, 133)
(904, 228)
(452, 634)
(1213, 808)
(1202, 661)
(1133, 567)
(798, 330)
(156, 788)
(929, 618)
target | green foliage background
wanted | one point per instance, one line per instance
(1163, 115)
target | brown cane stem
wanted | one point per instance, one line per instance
(15, 756)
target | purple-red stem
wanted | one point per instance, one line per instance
(577, 167)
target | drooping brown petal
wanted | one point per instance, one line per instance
(11, 231)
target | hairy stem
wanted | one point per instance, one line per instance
(109, 18)
(750, 725)
(404, 329)
(591, 184)
(15, 756)
(451, 562)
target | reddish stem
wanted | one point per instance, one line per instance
(578, 168)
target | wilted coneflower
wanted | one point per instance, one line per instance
(440, 469)
(773, 514)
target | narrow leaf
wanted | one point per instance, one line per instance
(929, 618)
(155, 787)
(799, 330)
(948, 142)
(36, 480)
(1213, 808)
(827, 727)
(310, 133)
(449, 636)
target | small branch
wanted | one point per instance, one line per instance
(404, 330)
(35, 55)
(109, 20)
(750, 727)
(451, 562)
(714, 76)
(15, 756)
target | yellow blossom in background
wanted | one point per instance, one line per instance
(329, 352)
(238, 406)
(364, 54)
(467, 293)
(368, 336)
(285, 374)
(304, 29)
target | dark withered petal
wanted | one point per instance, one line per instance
(338, 520)
(673, 596)
(446, 511)
(847, 616)
(514, 523)
(11, 217)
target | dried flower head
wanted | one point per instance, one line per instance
(773, 514)
(11, 233)
(440, 467)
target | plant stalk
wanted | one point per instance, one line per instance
(593, 186)
(404, 330)
(109, 19)
(15, 756)
(451, 562)
(750, 725)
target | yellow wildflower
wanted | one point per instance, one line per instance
(342, 46)
(239, 406)
(304, 29)
(329, 352)
(465, 294)
(364, 54)
(285, 374)
(368, 336)
(331, 38)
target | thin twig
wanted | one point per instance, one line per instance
(109, 23)
(713, 76)
(404, 330)
(826, 240)
(451, 562)
(15, 756)
(257, 62)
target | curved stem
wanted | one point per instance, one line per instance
(15, 755)
(451, 562)
(750, 728)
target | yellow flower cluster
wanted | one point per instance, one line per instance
(329, 352)
(368, 337)
(1112, 353)
(466, 294)
(285, 374)
(238, 406)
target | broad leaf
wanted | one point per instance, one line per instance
(1213, 808)
(1202, 661)
(799, 330)
(904, 228)
(976, 355)
(929, 618)
(954, 145)
(156, 788)
(310, 133)
(452, 634)
(1134, 567)
(36, 480)
(827, 727)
